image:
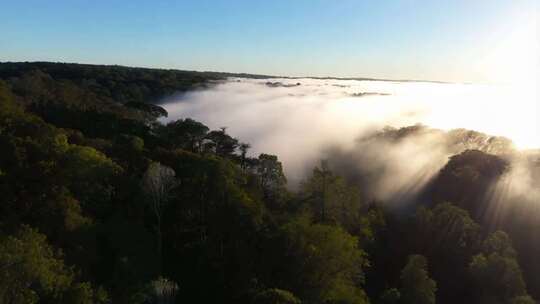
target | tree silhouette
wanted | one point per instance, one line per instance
(158, 180)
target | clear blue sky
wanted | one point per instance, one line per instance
(437, 39)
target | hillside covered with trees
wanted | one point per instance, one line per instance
(102, 203)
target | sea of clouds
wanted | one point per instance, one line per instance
(305, 120)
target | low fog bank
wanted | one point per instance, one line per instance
(400, 165)
(346, 122)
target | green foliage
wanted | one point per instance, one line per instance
(499, 242)
(30, 267)
(211, 225)
(271, 178)
(90, 176)
(108, 83)
(390, 296)
(522, 300)
(325, 264)
(158, 291)
(496, 272)
(331, 200)
(467, 178)
(7, 100)
(129, 251)
(448, 237)
(82, 293)
(416, 285)
(446, 229)
(186, 134)
(153, 111)
(32, 271)
(220, 143)
(275, 296)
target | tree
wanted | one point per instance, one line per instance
(467, 178)
(499, 242)
(158, 291)
(275, 296)
(445, 229)
(522, 300)
(244, 147)
(83, 293)
(27, 262)
(153, 111)
(221, 143)
(448, 237)
(212, 226)
(390, 296)
(319, 182)
(89, 175)
(332, 200)
(158, 180)
(496, 272)
(271, 177)
(186, 134)
(321, 263)
(416, 285)
(31, 270)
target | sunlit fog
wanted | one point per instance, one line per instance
(298, 119)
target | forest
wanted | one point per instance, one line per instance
(101, 202)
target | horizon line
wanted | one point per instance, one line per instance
(233, 74)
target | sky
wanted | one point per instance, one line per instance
(458, 40)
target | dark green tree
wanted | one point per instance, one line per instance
(331, 200)
(186, 134)
(416, 285)
(244, 147)
(390, 296)
(275, 296)
(220, 143)
(31, 271)
(496, 272)
(271, 178)
(323, 263)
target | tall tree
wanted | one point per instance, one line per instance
(244, 147)
(270, 173)
(496, 272)
(158, 181)
(416, 285)
(332, 200)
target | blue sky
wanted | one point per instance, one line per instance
(438, 39)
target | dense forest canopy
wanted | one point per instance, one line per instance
(102, 203)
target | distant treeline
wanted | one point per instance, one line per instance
(101, 203)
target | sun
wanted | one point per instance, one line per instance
(514, 56)
(513, 62)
